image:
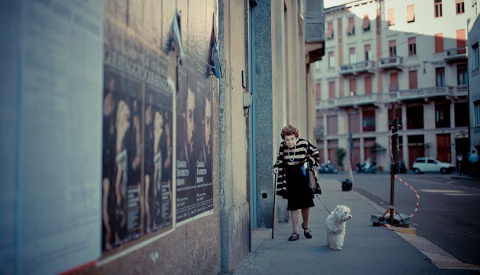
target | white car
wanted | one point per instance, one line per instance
(428, 164)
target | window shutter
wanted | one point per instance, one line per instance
(393, 82)
(368, 85)
(314, 21)
(438, 42)
(391, 17)
(351, 25)
(410, 13)
(330, 30)
(412, 78)
(366, 22)
(461, 41)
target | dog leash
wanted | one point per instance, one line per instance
(323, 204)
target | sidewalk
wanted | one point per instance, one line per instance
(367, 249)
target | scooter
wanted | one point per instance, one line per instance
(327, 168)
(367, 167)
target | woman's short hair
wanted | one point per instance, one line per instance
(289, 130)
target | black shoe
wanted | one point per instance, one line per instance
(308, 234)
(294, 237)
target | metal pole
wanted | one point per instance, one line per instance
(393, 171)
(274, 219)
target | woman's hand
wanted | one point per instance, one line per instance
(275, 170)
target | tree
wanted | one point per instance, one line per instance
(341, 153)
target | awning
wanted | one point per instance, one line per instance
(410, 13)
(330, 30)
(366, 22)
(351, 25)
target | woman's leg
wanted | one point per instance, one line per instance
(305, 214)
(295, 220)
(306, 230)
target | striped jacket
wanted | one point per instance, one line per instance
(302, 152)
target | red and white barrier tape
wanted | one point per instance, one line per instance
(415, 191)
(402, 181)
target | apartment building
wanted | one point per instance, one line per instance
(393, 59)
(474, 76)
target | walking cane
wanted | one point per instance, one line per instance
(274, 205)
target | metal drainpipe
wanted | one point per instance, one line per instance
(252, 115)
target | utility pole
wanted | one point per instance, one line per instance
(394, 168)
(350, 147)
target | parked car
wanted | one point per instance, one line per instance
(429, 164)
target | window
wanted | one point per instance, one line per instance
(393, 82)
(366, 23)
(392, 48)
(442, 115)
(412, 46)
(368, 84)
(332, 125)
(476, 110)
(461, 41)
(412, 80)
(317, 65)
(352, 56)
(331, 60)
(461, 114)
(438, 8)
(351, 26)
(368, 52)
(460, 6)
(353, 86)
(391, 17)
(354, 122)
(415, 117)
(317, 91)
(462, 74)
(475, 56)
(331, 90)
(368, 121)
(440, 77)
(410, 13)
(330, 30)
(439, 42)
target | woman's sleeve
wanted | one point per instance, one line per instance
(313, 153)
(279, 161)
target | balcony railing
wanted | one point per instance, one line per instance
(358, 68)
(392, 62)
(456, 55)
(397, 96)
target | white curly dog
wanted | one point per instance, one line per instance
(336, 223)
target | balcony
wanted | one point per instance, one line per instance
(456, 55)
(391, 63)
(449, 92)
(357, 100)
(364, 67)
(457, 93)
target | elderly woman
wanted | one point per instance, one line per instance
(295, 157)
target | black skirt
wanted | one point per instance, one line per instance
(299, 194)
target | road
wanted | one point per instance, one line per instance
(449, 208)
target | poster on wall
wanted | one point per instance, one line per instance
(137, 130)
(194, 184)
(53, 50)
(194, 148)
(158, 143)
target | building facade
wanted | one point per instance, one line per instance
(138, 137)
(393, 59)
(474, 76)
